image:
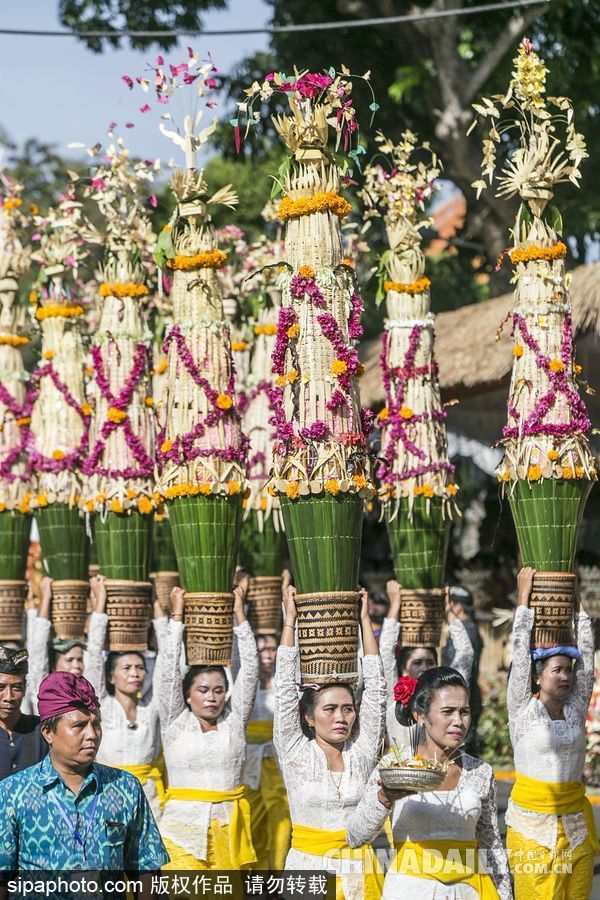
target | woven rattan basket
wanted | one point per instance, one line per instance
(128, 610)
(12, 600)
(264, 604)
(208, 628)
(422, 617)
(328, 636)
(408, 778)
(552, 599)
(69, 609)
(162, 585)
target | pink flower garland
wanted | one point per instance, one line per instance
(14, 454)
(72, 460)
(534, 424)
(121, 402)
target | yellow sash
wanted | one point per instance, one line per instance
(555, 798)
(259, 731)
(240, 834)
(423, 861)
(150, 770)
(318, 842)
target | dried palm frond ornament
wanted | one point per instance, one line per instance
(15, 410)
(201, 450)
(416, 476)
(548, 469)
(321, 470)
(119, 470)
(262, 542)
(59, 434)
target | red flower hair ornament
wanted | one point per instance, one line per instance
(404, 689)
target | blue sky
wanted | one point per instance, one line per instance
(58, 91)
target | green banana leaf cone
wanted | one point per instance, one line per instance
(123, 542)
(64, 542)
(420, 543)
(15, 530)
(206, 534)
(164, 558)
(547, 515)
(261, 552)
(324, 535)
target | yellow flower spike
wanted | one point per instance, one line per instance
(332, 486)
(292, 490)
(224, 401)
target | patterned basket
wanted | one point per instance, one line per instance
(128, 610)
(552, 600)
(208, 628)
(12, 601)
(328, 636)
(162, 585)
(69, 609)
(264, 604)
(422, 617)
(407, 778)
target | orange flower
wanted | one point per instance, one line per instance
(239, 346)
(555, 365)
(42, 500)
(263, 503)
(58, 454)
(25, 420)
(86, 409)
(145, 505)
(280, 381)
(332, 486)
(552, 455)
(384, 414)
(567, 472)
(578, 369)
(406, 412)
(579, 472)
(116, 506)
(166, 446)
(292, 490)
(127, 289)
(89, 505)
(452, 489)
(306, 272)
(517, 351)
(329, 201)
(293, 332)
(292, 376)
(233, 487)
(224, 401)
(415, 287)
(339, 367)
(25, 504)
(149, 401)
(428, 491)
(116, 415)
(360, 481)
(32, 297)
(557, 251)
(161, 367)
(534, 473)
(130, 494)
(417, 490)
(209, 259)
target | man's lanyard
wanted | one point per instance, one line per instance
(80, 840)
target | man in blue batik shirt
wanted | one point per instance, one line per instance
(67, 812)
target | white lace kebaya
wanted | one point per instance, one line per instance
(125, 743)
(202, 760)
(544, 749)
(320, 798)
(466, 813)
(390, 633)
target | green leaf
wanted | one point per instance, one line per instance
(407, 79)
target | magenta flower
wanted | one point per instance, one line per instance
(128, 81)
(153, 201)
(145, 108)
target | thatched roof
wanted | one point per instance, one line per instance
(470, 358)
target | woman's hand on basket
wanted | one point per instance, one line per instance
(239, 599)
(388, 797)
(177, 601)
(525, 585)
(364, 603)
(289, 605)
(394, 591)
(98, 588)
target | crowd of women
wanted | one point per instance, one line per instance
(248, 768)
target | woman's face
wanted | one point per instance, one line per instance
(71, 661)
(448, 718)
(207, 696)
(128, 674)
(334, 715)
(556, 678)
(418, 661)
(267, 653)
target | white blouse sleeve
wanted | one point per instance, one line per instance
(519, 680)
(161, 630)
(368, 818)
(169, 688)
(94, 658)
(245, 684)
(488, 838)
(288, 736)
(390, 632)
(372, 709)
(464, 652)
(584, 668)
(38, 637)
